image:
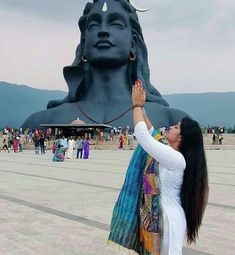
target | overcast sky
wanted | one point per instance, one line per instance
(191, 43)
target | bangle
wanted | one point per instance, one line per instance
(137, 105)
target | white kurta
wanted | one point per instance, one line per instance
(71, 146)
(171, 171)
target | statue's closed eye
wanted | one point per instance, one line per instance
(118, 23)
(93, 20)
(93, 24)
(117, 19)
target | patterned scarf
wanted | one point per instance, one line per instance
(136, 219)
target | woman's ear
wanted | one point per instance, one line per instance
(179, 138)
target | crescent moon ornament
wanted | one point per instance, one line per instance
(139, 9)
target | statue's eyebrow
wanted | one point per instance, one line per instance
(116, 15)
(94, 16)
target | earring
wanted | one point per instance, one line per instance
(83, 58)
(132, 56)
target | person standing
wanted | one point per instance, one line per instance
(220, 138)
(36, 144)
(20, 144)
(213, 137)
(54, 147)
(15, 145)
(166, 184)
(5, 146)
(86, 148)
(79, 145)
(71, 147)
(121, 141)
(10, 140)
(42, 144)
(64, 144)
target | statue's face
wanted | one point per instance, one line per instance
(108, 35)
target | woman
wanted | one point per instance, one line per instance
(59, 154)
(20, 145)
(121, 141)
(15, 145)
(86, 148)
(175, 187)
(54, 147)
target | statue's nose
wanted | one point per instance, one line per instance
(103, 34)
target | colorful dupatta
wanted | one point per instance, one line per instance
(136, 219)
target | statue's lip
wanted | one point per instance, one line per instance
(103, 43)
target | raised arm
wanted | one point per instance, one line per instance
(138, 102)
(164, 154)
(138, 99)
(147, 121)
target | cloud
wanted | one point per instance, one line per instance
(35, 51)
(57, 10)
(177, 66)
(211, 18)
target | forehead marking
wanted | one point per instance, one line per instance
(105, 7)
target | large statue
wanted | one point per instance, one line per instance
(111, 55)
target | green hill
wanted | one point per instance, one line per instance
(17, 102)
(207, 108)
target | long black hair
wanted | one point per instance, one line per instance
(194, 190)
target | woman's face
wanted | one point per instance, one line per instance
(172, 134)
(108, 34)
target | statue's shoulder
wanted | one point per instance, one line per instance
(162, 115)
(61, 114)
(37, 118)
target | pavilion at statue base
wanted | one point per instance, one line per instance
(86, 130)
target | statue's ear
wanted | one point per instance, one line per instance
(134, 43)
(82, 43)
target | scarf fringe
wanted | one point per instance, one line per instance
(121, 248)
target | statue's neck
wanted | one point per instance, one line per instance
(108, 86)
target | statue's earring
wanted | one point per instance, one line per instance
(84, 59)
(132, 56)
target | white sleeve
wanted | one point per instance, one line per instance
(164, 154)
(151, 130)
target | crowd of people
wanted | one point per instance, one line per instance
(217, 136)
(126, 139)
(12, 142)
(70, 147)
(17, 139)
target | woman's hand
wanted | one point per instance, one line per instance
(138, 93)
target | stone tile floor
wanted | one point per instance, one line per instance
(65, 208)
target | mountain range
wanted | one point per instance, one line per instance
(17, 102)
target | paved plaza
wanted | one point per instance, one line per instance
(55, 208)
